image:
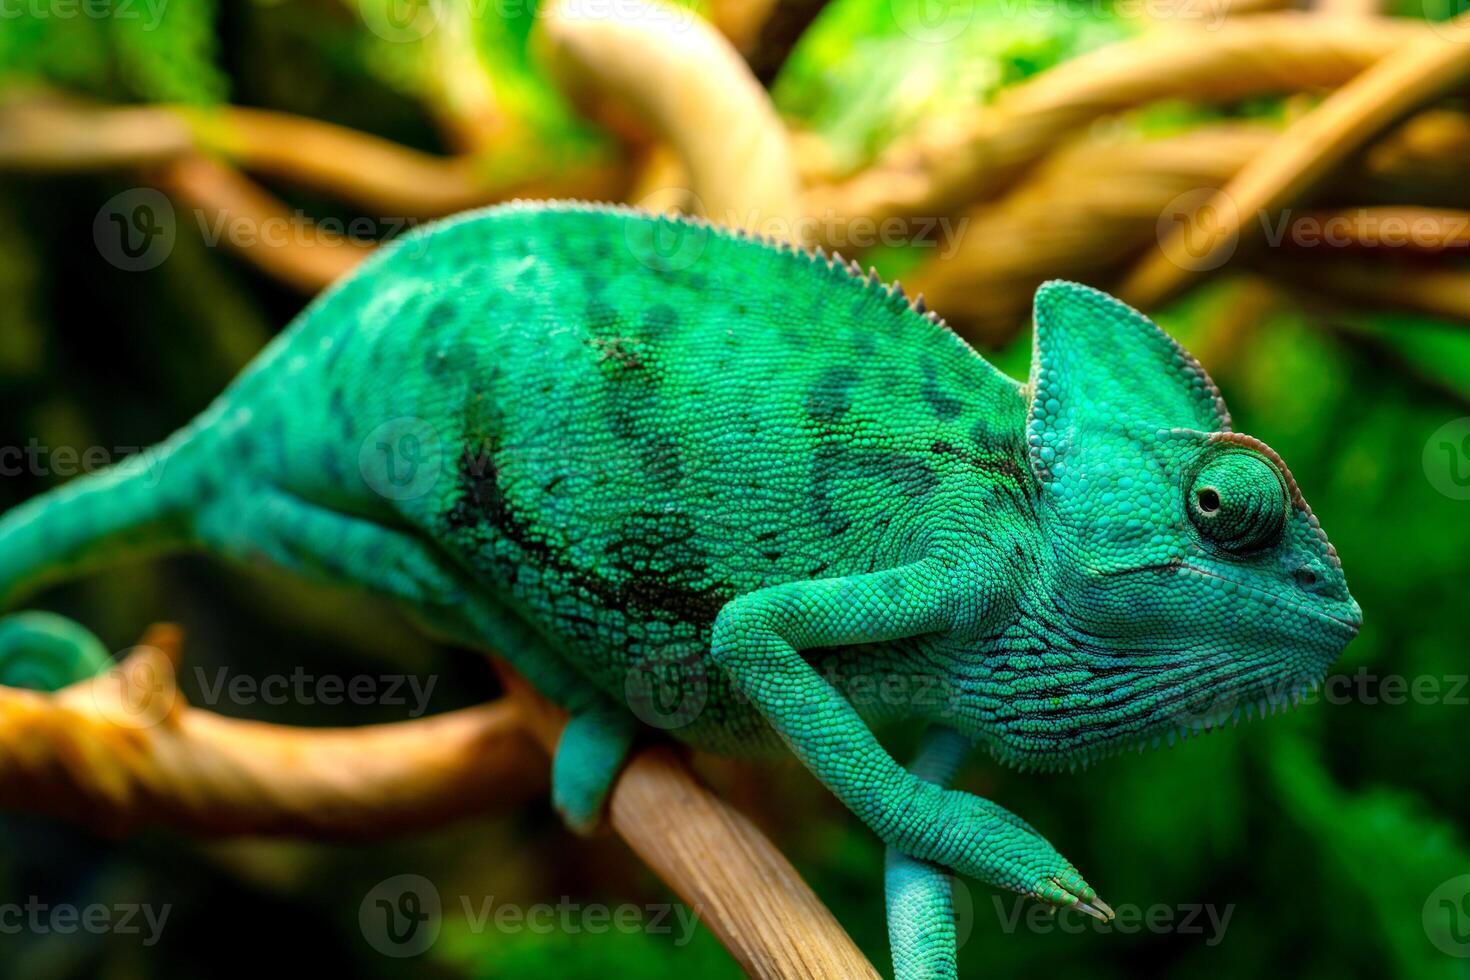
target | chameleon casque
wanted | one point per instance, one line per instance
(612, 446)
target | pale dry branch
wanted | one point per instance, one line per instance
(1418, 72)
(693, 90)
(709, 853)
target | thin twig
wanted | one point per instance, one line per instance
(748, 894)
(248, 220)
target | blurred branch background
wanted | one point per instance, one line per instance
(177, 177)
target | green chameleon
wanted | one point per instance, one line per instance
(685, 478)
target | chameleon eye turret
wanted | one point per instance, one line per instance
(1238, 501)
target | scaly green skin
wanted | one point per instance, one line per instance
(627, 452)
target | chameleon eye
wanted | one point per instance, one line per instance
(1238, 501)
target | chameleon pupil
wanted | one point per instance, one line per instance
(1209, 501)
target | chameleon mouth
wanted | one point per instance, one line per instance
(1350, 626)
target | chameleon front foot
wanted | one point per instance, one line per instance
(1069, 891)
(982, 840)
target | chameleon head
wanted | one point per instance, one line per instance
(1186, 572)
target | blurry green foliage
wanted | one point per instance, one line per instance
(155, 50)
(867, 71)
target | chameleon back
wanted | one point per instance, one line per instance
(620, 421)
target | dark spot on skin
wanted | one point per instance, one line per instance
(337, 405)
(332, 466)
(771, 555)
(600, 316)
(863, 342)
(830, 396)
(659, 320)
(944, 406)
(443, 313)
(664, 575)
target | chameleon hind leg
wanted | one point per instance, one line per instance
(598, 734)
(921, 920)
(315, 541)
(46, 652)
(757, 641)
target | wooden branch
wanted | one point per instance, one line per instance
(711, 855)
(675, 72)
(1308, 151)
(951, 161)
(1095, 204)
(52, 135)
(1435, 292)
(256, 226)
(1407, 229)
(123, 751)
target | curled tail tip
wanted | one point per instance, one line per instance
(46, 652)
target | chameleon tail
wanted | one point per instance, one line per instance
(46, 652)
(137, 508)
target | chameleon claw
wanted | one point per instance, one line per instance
(1096, 908)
